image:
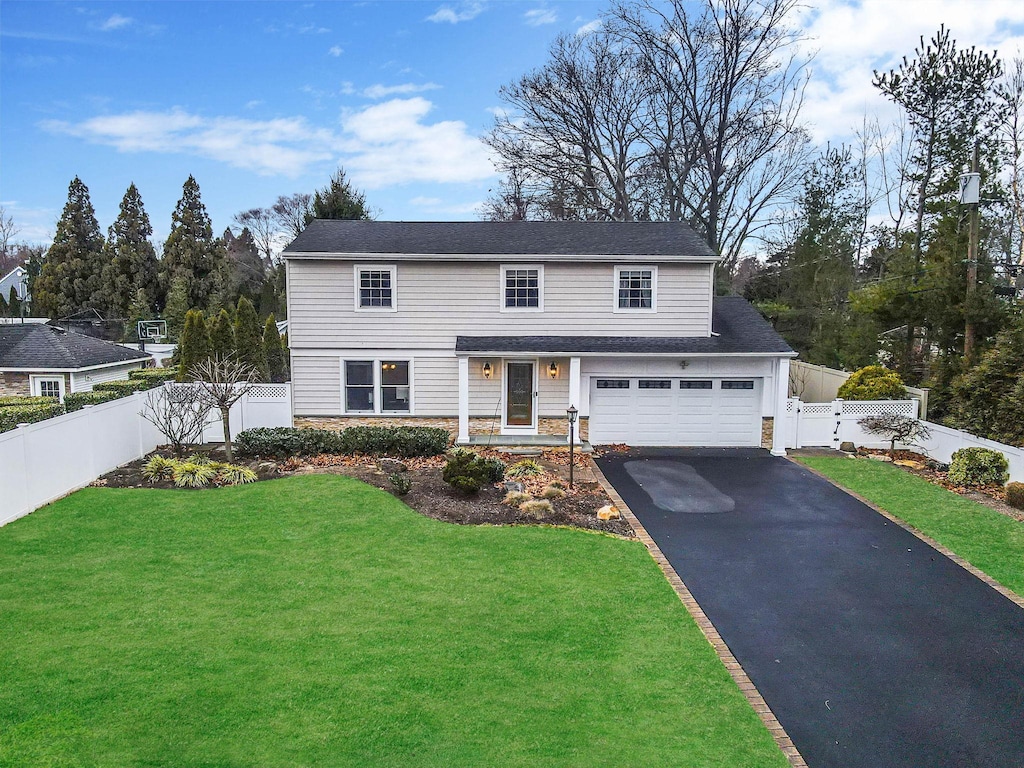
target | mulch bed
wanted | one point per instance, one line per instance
(993, 496)
(430, 495)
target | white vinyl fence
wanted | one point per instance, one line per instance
(828, 425)
(42, 462)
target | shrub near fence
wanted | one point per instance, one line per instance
(10, 400)
(78, 400)
(282, 442)
(13, 415)
(153, 375)
(125, 387)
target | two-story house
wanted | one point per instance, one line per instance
(497, 328)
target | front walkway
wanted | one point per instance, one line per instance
(871, 648)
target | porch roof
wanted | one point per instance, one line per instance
(737, 329)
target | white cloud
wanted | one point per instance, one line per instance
(253, 103)
(116, 21)
(462, 12)
(379, 91)
(390, 143)
(347, 88)
(852, 39)
(335, 50)
(284, 146)
(588, 28)
(540, 16)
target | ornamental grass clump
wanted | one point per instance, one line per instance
(516, 498)
(536, 508)
(158, 468)
(197, 471)
(525, 468)
(188, 474)
(553, 492)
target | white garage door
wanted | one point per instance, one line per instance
(663, 411)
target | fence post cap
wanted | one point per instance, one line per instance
(88, 405)
(22, 425)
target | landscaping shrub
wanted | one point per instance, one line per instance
(158, 468)
(468, 473)
(551, 492)
(153, 375)
(196, 472)
(188, 474)
(1015, 495)
(400, 483)
(283, 442)
(123, 387)
(976, 466)
(76, 400)
(12, 416)
(536, 507)
(874, 382)
(232, 474)
(525, 468)
(12, 400)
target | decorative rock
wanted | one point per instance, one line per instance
(879, 457)
(391, 466)
(847, 447)
(513, 486)
(909, 463)
(938, 466)
(608, 512)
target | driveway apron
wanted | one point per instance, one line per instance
(873, 649)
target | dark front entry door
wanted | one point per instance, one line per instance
(519, 395)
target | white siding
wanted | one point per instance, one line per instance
(437, 301)
(84, 382)
(436, 386)
(316, 383)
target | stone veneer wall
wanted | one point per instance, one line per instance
(477, 426)
(14, 384)
(767, 431)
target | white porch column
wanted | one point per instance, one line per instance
(574, 389)
(463, 400)
(781, 396)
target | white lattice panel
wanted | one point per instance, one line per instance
(268, 392)
(876, 407)
(817, 409)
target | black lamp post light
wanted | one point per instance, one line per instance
(571, 414)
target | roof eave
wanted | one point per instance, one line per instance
(583, 257)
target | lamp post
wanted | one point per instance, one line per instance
(571, 413)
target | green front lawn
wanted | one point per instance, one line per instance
(990, 541)
(318, 621)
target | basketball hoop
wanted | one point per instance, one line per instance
(152, 330)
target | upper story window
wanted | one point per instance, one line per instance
(522, 287)
(375, 287)
(636, 289)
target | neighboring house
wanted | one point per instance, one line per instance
(38, 359)
(17, 279)
(496, 328)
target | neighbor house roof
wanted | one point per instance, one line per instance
(34, 346)
(738, 328)
(454, 239)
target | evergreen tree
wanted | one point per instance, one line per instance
(338, 200)
(131, 259)
(191, 251)
(138, 311)
(248, 339)
(3, 307)
(70, 278)
(194, 344)
(14, 303)
(273, 353)
(243, 271)
(222, 335)
(177, 305)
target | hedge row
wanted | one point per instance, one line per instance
(12, 416)
(77, 400)
(125, 387)
(283, 442)
(9, 400)
(153, 375)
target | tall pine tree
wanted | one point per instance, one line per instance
(273, 352)
(194, 345)
(222, 335)
(248, 338)
(70, 278)
(191, 251)
(339, 200)
(131, 259)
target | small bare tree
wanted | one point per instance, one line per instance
(222, 382)
(179, 412)
(895, 429)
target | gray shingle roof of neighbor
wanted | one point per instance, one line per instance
(554, 238)
(37, 346)
(740, 329)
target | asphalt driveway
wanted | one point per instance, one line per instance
(872, 649)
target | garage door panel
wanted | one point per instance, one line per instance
(711, 412)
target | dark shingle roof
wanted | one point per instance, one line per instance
(555, 238)
(740, 329)
(37, 346)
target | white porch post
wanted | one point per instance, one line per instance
(574, 384)
(781, 396)
(463, 400)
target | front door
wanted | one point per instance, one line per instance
(519, 394)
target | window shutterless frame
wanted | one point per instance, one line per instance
(375, 287)
(47, 386)
(521, 288)
(636, 286)
(368, 388)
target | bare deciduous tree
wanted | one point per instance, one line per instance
(291, 212)
(895, 429)
(179, 412)
(264, 227)
(222, 382)
(8, 230)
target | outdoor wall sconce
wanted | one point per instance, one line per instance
(553, 370)
(487, 370)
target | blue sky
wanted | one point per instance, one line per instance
(258, 99)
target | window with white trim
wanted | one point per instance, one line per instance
(635, 288)
(375, 287)
(46, 386)
(522, 287)
(378, 386)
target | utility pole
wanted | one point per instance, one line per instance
(972, 262)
